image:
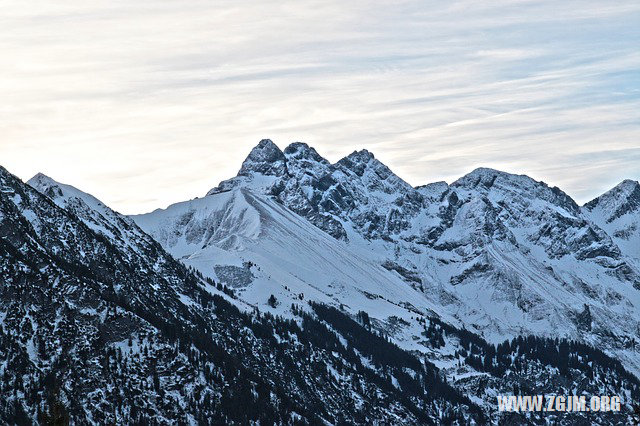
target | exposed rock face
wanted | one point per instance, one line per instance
(623, 199)
(618, 213)
(266, 159)
(583, 319)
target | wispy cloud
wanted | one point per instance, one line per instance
(150, 102)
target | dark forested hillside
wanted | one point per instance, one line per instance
(534, 366)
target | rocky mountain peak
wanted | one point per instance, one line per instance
(266, 158)
(628, 185)
(503, 184)
(46, 185)
(304, 162)
(484, 178)
(362, 156)
(622, 191)
(618, 201)
(302, 151)
(41, 177)
(433, 191)
(357, 161)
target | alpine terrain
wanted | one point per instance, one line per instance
(306, 292)
(498, 254)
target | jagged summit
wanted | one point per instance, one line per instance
(486, 177)
(266, 158)
(93, 212)
(41, 177)
(361, 156)
(433, 191)
(624, 189)
(267, 144)
(373, 172)
(487, 180)
(628, 184)
(46, 185)
(53, 189)
(357, 161)
(302, 151)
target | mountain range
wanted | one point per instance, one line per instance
(322, 293)
(499, 254)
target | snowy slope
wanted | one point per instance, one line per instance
(256, 245)
(118, 228)
(501, 254)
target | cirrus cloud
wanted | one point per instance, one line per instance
(152, 102)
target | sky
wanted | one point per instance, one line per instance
(151, 102)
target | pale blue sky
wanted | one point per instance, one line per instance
(151, 102)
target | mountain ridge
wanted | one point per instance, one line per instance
(523, 249)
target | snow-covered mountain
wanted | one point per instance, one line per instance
(500, 254)
(98, 320)
(99, 325)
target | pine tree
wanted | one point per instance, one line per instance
(273, 302)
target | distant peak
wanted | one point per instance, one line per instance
(265, 149)
(42, 182)
(487, 171)
(267, 143)
(46, 185)
(620, 199)
(361, 156)
(297, 146)
(41, 177)
(627, 185)
(266, 158)
(484, 177)
(624, 189)
(357, 161)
